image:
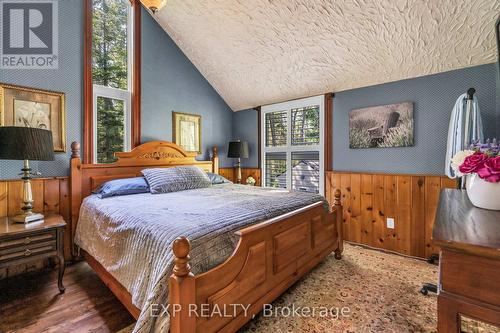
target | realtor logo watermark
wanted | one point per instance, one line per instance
(29, 34)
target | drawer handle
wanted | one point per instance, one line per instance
(27, 253)
(27, 240)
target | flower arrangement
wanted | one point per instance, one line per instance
(480, 159)
(250, 181)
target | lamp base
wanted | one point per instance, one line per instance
(27, 217)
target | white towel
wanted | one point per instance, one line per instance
(456, 130)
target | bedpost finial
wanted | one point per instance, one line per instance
(75, 149)
(215, 160)
(181, 248)
(336, 199)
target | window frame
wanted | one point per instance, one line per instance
(133, 112)
(288, 148)
(119, 94)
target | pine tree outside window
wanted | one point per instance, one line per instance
(111, 77)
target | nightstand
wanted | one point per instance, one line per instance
(21, 243)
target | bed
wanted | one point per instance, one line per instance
(248, 244)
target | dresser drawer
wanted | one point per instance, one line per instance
(26, 251)
(27, 240)
(470, 276)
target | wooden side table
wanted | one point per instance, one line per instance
(21, 243)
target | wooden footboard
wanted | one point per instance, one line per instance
(269, 258)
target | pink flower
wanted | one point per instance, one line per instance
(490, 170)
(473, 163)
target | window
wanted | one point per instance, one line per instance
(111, 61)
(112, 78)
(275, 170)
(276, 128)
(292, 145)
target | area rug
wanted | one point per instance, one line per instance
(366, 291)
(381, 291)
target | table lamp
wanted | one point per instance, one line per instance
(239, 150)
(25, 143)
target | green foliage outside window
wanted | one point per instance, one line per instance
(110, 128)
(305, 126)
(109, 69)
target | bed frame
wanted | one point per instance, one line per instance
(269, 258)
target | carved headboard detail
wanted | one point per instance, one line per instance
(156, 153)
(160, 154)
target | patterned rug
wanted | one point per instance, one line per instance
(380, 290)
(366, 291)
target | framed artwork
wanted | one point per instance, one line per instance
(381, 126)
(186, 131)
(27, 107)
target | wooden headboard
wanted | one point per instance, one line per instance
(158, 154)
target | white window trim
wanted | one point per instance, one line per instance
(115, 93)
(288, 149)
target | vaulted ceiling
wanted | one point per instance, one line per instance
(257, 52)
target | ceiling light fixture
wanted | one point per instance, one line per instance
(154, 5)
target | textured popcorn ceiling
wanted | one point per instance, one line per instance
(257, 52)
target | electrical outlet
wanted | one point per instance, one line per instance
(390, 223)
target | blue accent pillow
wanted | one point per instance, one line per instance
(217, 179)
(123, 186)
(165, 180)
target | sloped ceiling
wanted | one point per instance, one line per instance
(257, 52)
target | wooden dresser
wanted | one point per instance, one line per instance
(469, 267)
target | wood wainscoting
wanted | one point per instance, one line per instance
(369, 199)
(230, 173)
(50, 195)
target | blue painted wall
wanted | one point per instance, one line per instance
(68, 78)
(498, 99)
(433, 97)
(170, 82)
(245, 128)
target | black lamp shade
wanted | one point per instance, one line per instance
(237, 149)
(26, 143)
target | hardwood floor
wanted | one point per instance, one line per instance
(381, 290)
(32, 303)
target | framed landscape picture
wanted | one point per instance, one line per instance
(27, 107)
(381, 126)
(186, 131)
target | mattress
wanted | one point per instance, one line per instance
(131, 236)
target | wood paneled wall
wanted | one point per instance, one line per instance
(50, 195)
(230, 173)
(369, 199)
